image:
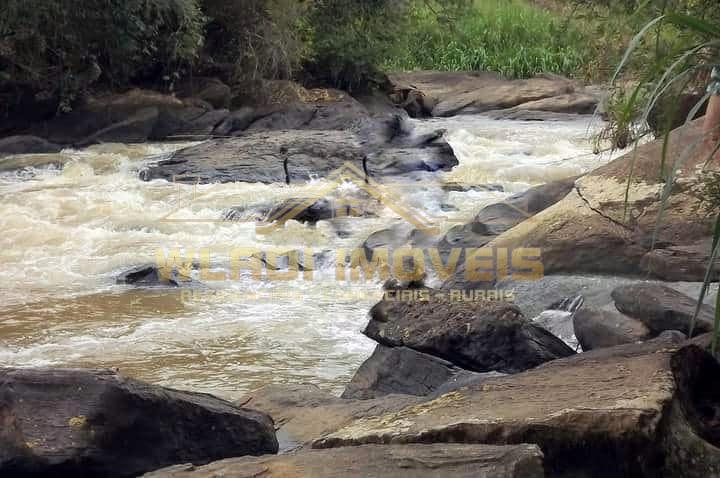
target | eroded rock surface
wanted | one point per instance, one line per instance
(593, 414)
(432, 93)
(589, 231)
(481, 336)
(378, 461)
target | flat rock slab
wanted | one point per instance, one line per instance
(304, 413)
(296, 156)
(453, 93)
(378, 461)
(77, 422)
(597, 410)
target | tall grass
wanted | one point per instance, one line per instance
(511, 37)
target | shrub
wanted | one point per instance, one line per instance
(58, 47)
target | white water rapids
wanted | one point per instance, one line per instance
(71, 222)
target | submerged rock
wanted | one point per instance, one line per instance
(74, 422)
(387, 461)
(480, 336)
(148, 275)
(26, 144)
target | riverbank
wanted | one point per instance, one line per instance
(490, 375)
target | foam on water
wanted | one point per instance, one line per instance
(72, 221)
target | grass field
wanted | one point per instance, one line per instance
(511, 37)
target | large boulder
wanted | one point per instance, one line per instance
(72, 422)
(387, 461)
(132, 117)
(296, 141)
(26, 144)
(602, 328)
(279, 156)
(137, 127)
(692, 437)
(209, 89)
(661, 308)
(566, 105)
(595, 230)
(402, 370)
(451, 93)
(481, 336)
(600, 413)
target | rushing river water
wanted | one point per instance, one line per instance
(71, 222)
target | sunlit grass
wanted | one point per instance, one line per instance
(506, 36)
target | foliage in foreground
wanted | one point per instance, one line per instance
(699, 52)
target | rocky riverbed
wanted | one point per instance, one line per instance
(584, 370)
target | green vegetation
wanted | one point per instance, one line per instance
(511, 37)
(54, 50)
(685, 41)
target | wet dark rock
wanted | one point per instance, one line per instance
(297, 141)
(97, 423)
(402, 370)
(479, 336)
(661, 308)
(291, 156)
(137, 128)
(391, 238)
(211, 90)
(26, 145)
(599, 328)
(388, 461)
(305, 210)
(148, 275)
(691, 442)
(236, 121)
(187, 123)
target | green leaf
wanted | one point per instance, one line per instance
(695, 24)
(706, 284)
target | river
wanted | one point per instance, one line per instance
(71, 222)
